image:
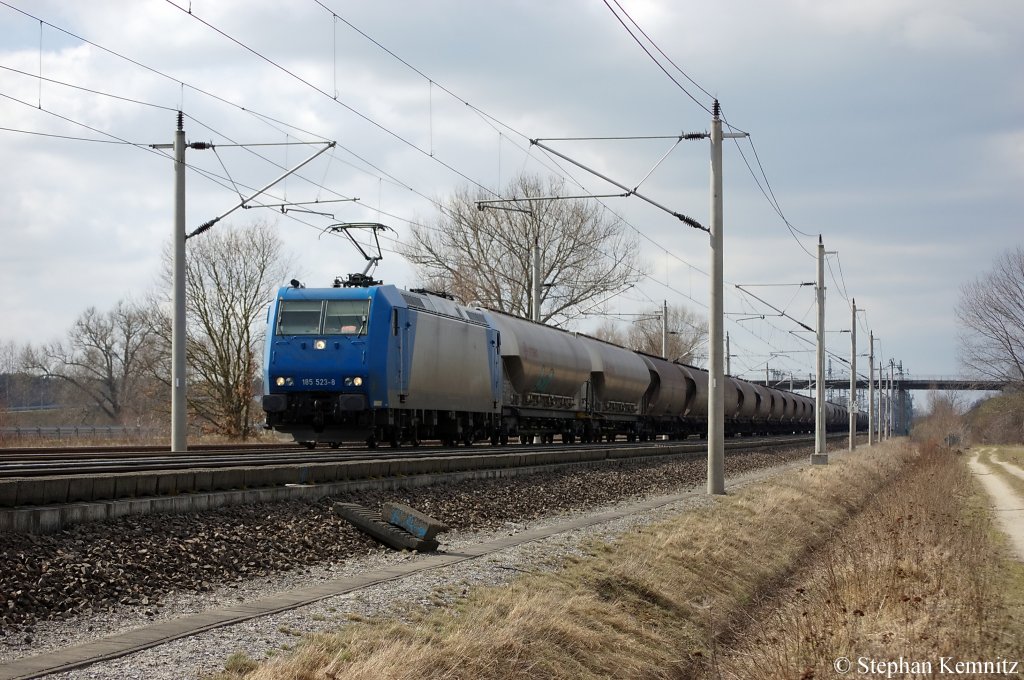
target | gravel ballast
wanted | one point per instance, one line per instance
(96, 580)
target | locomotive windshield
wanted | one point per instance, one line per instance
(323, 317)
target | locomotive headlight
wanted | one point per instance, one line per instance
(320, 344)
(282, 381)
(279, 382)
(357, 381)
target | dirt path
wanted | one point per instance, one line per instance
(1007, 503)
(1011, 468)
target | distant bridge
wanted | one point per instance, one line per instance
(932, 382)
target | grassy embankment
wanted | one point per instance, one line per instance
(885, 553)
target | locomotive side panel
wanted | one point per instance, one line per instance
(452, 365)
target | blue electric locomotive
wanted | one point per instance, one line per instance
(379, 364)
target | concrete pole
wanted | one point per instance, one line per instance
(820, 457)
(535, 310)
(766, 375)
(883, 400)
(888, 404)
(179, 412)
(892, 401)
(728, 355)
(664, 329)
(902, 425)
(885, 392)
(871, 388)
(852, 405)
(716, 320)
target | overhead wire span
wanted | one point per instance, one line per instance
(90, 90)
(316, 88)
(769, 194)
(268, 119)
(138, 145)
(653, 58)
(493, 121)
(68, 137)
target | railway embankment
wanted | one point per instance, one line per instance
(96, 578)
(50, 503)
(887, 556)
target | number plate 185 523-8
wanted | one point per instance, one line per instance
(319, 382)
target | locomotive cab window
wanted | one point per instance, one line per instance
(299, 317)
(346, 317)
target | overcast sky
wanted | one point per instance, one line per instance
(893, 128)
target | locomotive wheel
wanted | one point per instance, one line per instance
(394, 442)
(503, 438)
(335, 445)
(524, 439)
(309, 445)
(371, 443)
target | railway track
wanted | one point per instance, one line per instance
(138, 562)
(22, 463)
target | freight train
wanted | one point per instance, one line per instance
(385, 365)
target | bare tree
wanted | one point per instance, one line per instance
(687, 333)
(231, 273)
(485, 255)
(10, 381)
(609, 331)
(991, 317)
(105, 357)
(997, 420)
(944, 422)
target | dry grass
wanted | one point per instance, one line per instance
(880, 554)
(655, 603)
(918, 575)
(1011, 454)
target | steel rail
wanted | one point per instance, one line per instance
(123, 462)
